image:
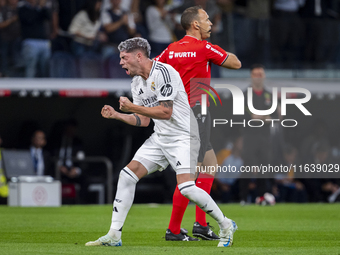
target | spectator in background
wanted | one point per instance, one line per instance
(61, 19)
(226, 181)
(160, 27)
(246, 30)
(233, 36)
(50, 28)
(224, 153)
(10, 35)
(85, 28)
(137, 10)
(320, 32)
(286, 30)
(288, 188)
(35, 46)
(42, 161)
(126, 5)
(67, 146)
(256, 140)
(118, 25)
(258, 31)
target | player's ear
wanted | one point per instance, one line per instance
(139, 55)
(195, 25)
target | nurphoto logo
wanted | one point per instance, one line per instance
(239, 104)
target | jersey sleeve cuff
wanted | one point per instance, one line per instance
(224, 60)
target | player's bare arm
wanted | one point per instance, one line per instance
(132, 119)
(138, 120)
(162, 112)
(232, 62)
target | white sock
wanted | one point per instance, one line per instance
(204, 201)
(123, 201)
(115, 234)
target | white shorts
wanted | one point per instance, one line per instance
(157, 153)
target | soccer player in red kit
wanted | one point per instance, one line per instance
(192, 57)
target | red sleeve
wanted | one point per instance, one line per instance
(162, 57)
(215, 54)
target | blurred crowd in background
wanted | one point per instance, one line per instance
(79, 38)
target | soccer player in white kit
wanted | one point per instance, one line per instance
(158, 94)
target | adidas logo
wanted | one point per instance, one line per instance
(115, 209)
(178, 163)
(140, 92)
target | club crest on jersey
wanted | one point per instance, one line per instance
(153, 86)
(166, 90)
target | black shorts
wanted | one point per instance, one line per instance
(204, 127)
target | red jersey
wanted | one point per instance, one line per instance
(192, 58)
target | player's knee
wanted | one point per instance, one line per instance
(187, 188)
(128, 175)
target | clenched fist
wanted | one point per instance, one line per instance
(125, 104)
(108, 112)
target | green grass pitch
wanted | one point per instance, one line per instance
(279, 229)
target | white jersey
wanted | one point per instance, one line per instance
(164, 84)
